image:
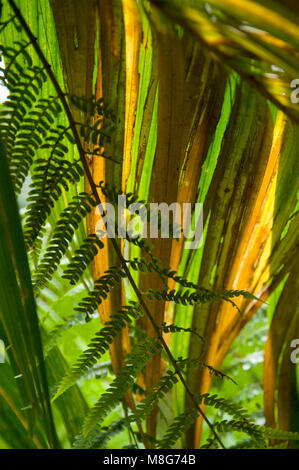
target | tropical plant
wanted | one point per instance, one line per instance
(161, 101)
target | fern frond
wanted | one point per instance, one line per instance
(244, 426)
(227, 406)
(143, 266)
(95, 131)
(238, 414)
(178, 427)
(102, 286)
(112, 194)
(48, 180)
(32, 134)
(25, 118)
(82, 258)
(89, 106)
(211, 443)
(18, 113)
(93, 134)
(206, 294)
(99, 436)
(279, 434)
(99, 345)
(124, 380)
(147, 404)
(199, 294)
(189, 298)
(173, 328)
(62, 236)
(34, 253)
(99, 370)
(196, 362)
